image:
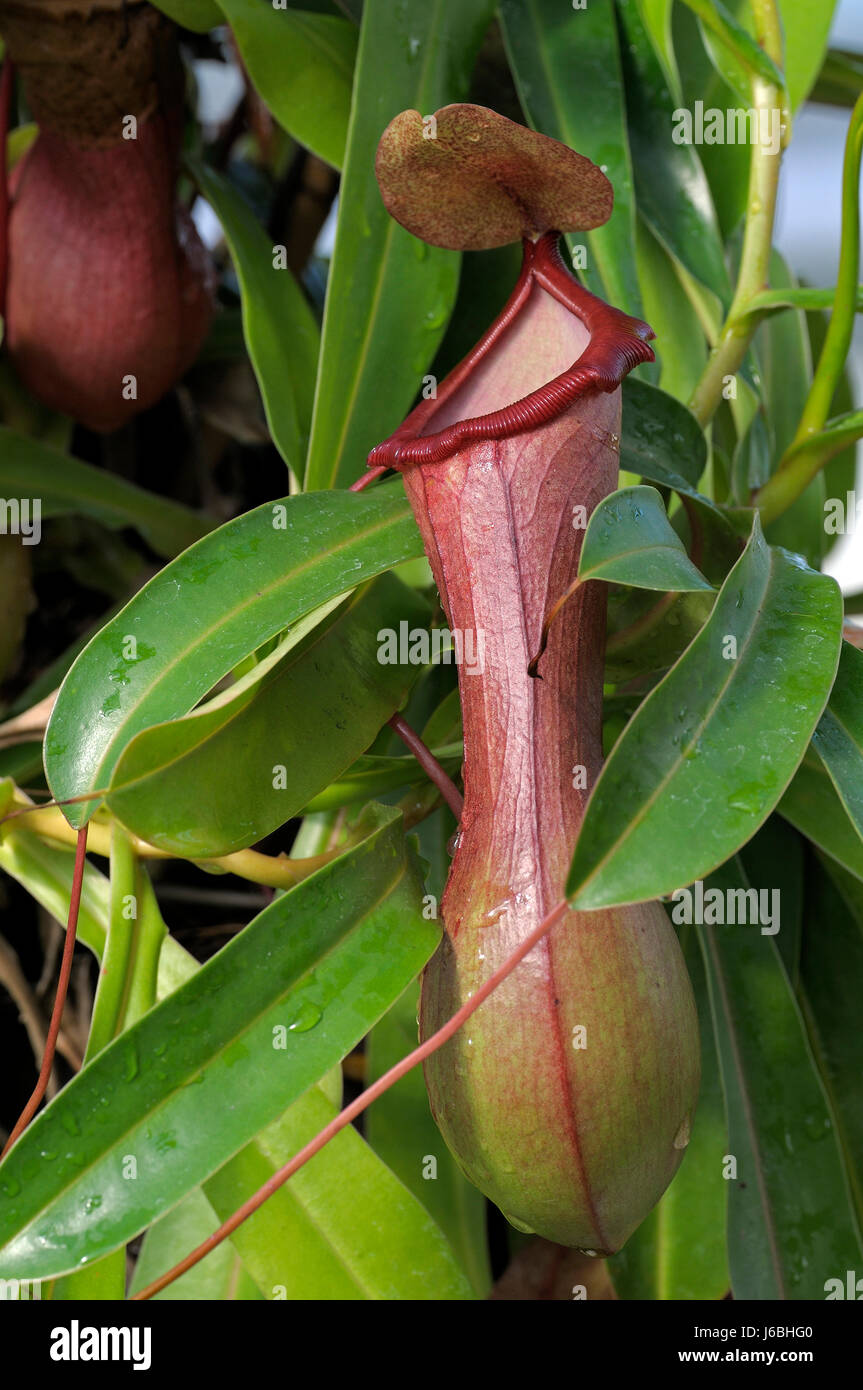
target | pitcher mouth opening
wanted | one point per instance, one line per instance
(615, 344)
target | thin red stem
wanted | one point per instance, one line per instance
(367, 478)
(356, 1108)
(430, 765)
(60, 998)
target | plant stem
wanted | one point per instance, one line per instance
(107, 1020)
(60, 998)
(736, 333)
(429, 764)
(268, 870)
(806, 454)
(150, 932)
(130, 963)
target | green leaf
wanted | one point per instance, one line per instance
(792, 296)
(234, 771)
(790, 1225)
(302, 65)
(389, 295)
(656, 18)
(736, 40)
(197, 15)
(710, 751)
(830, 990)
(773, 859)
(839, 79)
(286, 559)
(836, 435)
(806, 29)
(813, 807)
(838, 738)
(726, 166)
(65, 485)
(401, 1130)
(204, 1071)
(679, 1251)
(660, 439)
(101, 1282)
(344, 1227)
(556, 55)
(280, 329)
(782, 348)
(670, 186)
(371, 775)
(629, 540)
(681, 347)
(220, 1276)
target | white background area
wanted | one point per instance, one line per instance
(807, 234)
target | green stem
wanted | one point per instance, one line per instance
(730, 349)
(150, 932)
(108, 1007)
(271, 871)
(806, 454)
(130, 964)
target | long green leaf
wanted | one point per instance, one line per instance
(679, 1251)
(712, 748)
(812, 805)
(238, 588)
(220, 1276)
(556, 55)
(785, 359)
(198, 15)
(344, 1227)
(805, 31)
(680, 345)
(302, 65)
(401, 1130)
(736, 40)
(280, 329)
(773, 859)
(389, 295)
(830, 990)
(670, 186)
(790, 1224)
(839, 736)
(166, 1104)
(232, 772)
(30, 468)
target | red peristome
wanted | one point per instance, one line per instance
(617, 343)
